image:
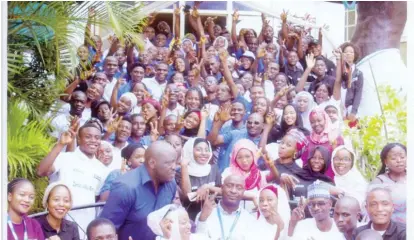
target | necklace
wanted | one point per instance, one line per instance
(395, 181)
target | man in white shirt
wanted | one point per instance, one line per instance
(158, 83)
(110, 69)
(378, 36)
(174, 108)
(122, 134)
(62, 121)
(80, 170)
(272, 71)
(226, 220)
(321, 226)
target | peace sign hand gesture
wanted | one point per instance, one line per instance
(154, 131)
(180, 123)
(166, 98)
(235, 15)
(67, 137)
(113, 124)
(283, 15)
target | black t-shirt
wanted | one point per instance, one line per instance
(214, 179)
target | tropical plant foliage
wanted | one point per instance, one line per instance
(41, 45)
(376, 131)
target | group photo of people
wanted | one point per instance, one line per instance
(218, 132)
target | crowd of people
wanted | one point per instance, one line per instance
(211, 135)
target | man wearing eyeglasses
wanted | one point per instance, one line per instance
(253, 131)
(321, 226)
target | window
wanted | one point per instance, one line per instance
(350, 23)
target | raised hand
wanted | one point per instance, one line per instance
(113, 124)
(180, 123)
(224, 114)
(177, 10)
(310, 60)
(223, 54)
(154, 131)
(288, 180)
(337, 53)
(270, 118)
(258, 78)
(67, 137)
(235, 15)
(203, 193)
(121, 81)
(166, 227)
(208, 207)
(205, 112)
(283, 15)
(166, 98)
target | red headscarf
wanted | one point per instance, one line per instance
(253, 178)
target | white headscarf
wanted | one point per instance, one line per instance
(171, 212)
(353, 183)
(132, 98)
(195, 169)
(226, 43)
(311, 105)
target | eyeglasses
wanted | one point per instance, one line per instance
(318, 203)
(343, 160)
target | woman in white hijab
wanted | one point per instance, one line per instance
(274, 213)
(347, 177)
(221, 43)
(198, 178)
(172, 222)
(305, 103)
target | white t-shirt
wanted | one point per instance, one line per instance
(85, 177)
(305, 229)
(109, 88)
(269, 90)
(177, 111)
(155, 87)
(116, 158)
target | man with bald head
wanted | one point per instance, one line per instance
(141, 191)
(380, 208)
(226, 220)
(369, 234)
(347, 212)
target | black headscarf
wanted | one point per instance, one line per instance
(191, 132)
(309, 174)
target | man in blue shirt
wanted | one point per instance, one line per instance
(141, 191)
(253, 131)
(135, 76)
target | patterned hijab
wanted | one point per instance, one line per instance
(253, 178)
(329, 133)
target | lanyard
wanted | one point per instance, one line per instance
(9, 222)
(222, 227)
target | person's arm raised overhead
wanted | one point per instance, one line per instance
(120, 82)
(177, 21)
(88, 34)
(234, 38)
(310, 62)
(210, 28)
(205, 112)
(70, 88)
(223, 55)
(221, 116)
(337, 85)
(45, 167)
